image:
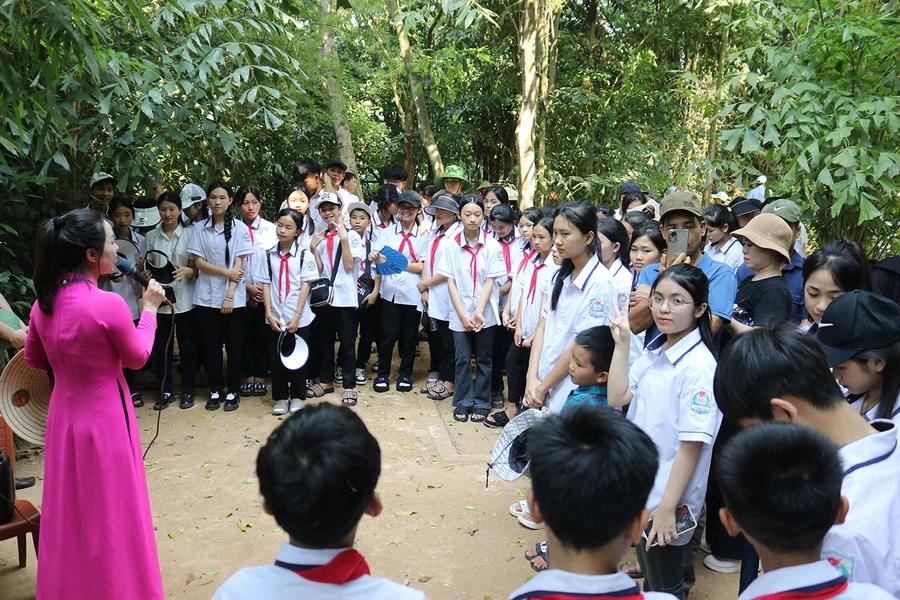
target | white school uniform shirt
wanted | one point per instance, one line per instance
(176, 248)
(512, 256)
(313, 211)
(271, 582)
(583, 303)
(557, 581)
(126, 287)
(865, 547)
(262, 237)
(817, 576)
(439, 304)
(469, 267)
(379, 227)
(286, 277)
(346, 199)
(732, 253)
(531, 296)
(515, 293)
(345, 281)
(623, 278)
(400, 288)
(673, 403)
(208, 243)
(871, 415)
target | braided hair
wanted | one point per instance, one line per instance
(582, 216)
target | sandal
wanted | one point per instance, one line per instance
(540, 551)
(439, 392)
(260, 388)
(246, 389)
(498, 420)
(460, 416)
(350, 398)
(632, 568)
(497, 402)
(479, 415)
(317, 391)
(136, 400)
(429, 386)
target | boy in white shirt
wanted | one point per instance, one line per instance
(782, 489)
(782, 375)
(575, 465)
(317, 475)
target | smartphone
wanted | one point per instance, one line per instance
(684, 523)
(676, 245)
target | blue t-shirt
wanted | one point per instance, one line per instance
(722, 287)
(793, 274)
(594, 395)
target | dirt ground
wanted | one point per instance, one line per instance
(441, 531)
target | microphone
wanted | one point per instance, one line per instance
(127, 268)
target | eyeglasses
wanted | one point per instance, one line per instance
(675, 304)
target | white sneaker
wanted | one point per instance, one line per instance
(722, 565)
(360, 377)
(525, 519)
(519, 508)
(281, 407)
(296, 405)
(704, 545)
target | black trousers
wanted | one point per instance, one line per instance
(503, 339)
(185, 326)
(344, 321)
(255, 360)
(447, 352)
(218, 329)
(516, 372)
(400, 323)
(721, 544)
(129, 374)
(286, 384)
(369, 331)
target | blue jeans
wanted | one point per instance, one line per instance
(467, 394)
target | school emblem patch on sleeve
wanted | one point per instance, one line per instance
(246, 236)
(354, 242)
(701, 403)
(597, 308)
(842, 563)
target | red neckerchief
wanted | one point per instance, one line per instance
(434, 246)
(533, 285)
(346, 566)
(329, 237)
(526, 256)
(284, 270)
(506, 254)
(473, 264)
(406, 236)
(821, 591)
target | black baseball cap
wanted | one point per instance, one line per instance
(629, 186)
(855, 322)
(336, 163)
(745, 206)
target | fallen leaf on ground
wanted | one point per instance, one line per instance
(406, 513)
(471, 507)
(150, 464)
(172, 535)
(432, 523)
(205, 416)
(189, 579)
(276, 530)
(435, 487)
(165, 477)
(247, 481)
(211, 573)
(408, 447)
(241, 525)
(424, 578)
(154, 470)
(208, 474)
(520, 493)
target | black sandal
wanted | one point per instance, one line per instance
(540, 551)
(260, 389)
(479, 412)
(459, 416)
(246, 389)
(498, 420)
(136, 400)
(350, 398)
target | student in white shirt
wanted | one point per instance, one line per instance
(336, 247)
(577, 468)
(582, 295)
(384, 215)
(860, 332)
(317, 476)
(503, 221)
(193, 204)
(834, 269)
(670, 394)
(219, 246)
(402, 302)
(171, 238)
(309, 173)
(782, 490)
(780, 374)
(285, 272)
(298, 200)
(436, 292)
(370, 305)
(255, 359)
(471, 265)
(615, 254)
(722, 247)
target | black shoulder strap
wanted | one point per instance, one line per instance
(269, 264)
(368, 263)
(337, 259)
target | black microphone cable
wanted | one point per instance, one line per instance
(162, 385)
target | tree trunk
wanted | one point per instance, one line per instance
(547, 46)
(405, 114)
(528, 34)
(330, 66)
(416, 88)
(714, 122)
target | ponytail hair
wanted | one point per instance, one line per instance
(717, 215)
(695, 282)
(533, 214)
(582, 216)
(616, 233)
(503, 213)
(60, 247)
(229, 215)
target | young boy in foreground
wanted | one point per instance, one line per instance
(782, 489)
(317, 475)
(577, 466)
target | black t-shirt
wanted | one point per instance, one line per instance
(764, 302)
(886, 278)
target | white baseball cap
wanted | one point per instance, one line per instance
(191, 194)
(761, 179)
(721, 196)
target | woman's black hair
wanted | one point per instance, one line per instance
(387, 194)
(503, 213)
(59, 249)
(546, 223)
(120, 201)
(651, 230)
(296, 216)
(471, 199)
(582, 216)
(229, 216)
(603, 209)
(631, 198)
(500, 192)
(615, 232)
(717, 215)
(845, 261)
(550, 211)
(636, 218)
(533, 214)
(695, 282)
(244, 191)
(890, 376)
(299, 187)
(170, 197)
